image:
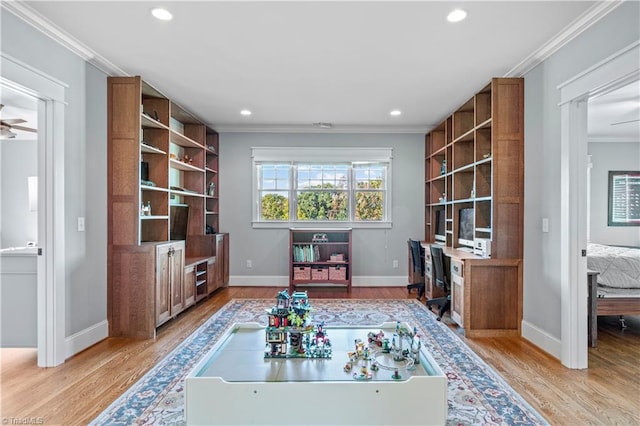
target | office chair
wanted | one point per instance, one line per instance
(417, 260)
(440, 279)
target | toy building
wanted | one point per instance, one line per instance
(289, 332)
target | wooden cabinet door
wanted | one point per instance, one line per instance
(457, 299)
(212, 278)
(220, 260)
(163, 274)
(176, 260)
(225, 261)
(189, 286)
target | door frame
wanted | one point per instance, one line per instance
(610, 74)
(51, 264)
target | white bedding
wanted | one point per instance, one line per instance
(618, 267)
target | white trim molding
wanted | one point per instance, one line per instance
(51, 30)
(613, 72)
(577, 27)
(542, 339)
(87, 337)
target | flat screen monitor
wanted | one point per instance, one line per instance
(179, 223)
(440, 234)
(465, 227)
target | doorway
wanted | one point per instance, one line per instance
(18, 218)
(49, 95)
(613, 73)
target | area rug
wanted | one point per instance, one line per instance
(476, 393)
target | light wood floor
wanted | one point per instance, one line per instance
(607, 393)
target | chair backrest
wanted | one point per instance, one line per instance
(439, 272)
(416, 257)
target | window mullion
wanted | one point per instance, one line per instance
(293, 192)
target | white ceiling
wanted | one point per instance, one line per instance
(18, 105)
(615, 117)
(296, 63)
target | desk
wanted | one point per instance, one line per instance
(236, 385)
(486, 294)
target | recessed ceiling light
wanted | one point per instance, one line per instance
(395, 112)
(245, 112)
(162, 14)
(457, 15)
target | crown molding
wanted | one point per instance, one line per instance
(48, 28)
(573, 30)
(283, 128)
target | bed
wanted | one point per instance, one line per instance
(614, 283)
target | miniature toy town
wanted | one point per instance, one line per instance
(376, 355)
(290, 334)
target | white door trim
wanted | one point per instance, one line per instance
(51, 287)
(615, 71)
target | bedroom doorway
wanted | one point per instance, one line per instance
(611, 74)
(49, 94)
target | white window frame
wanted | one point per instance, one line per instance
(317, 155)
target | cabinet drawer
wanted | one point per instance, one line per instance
(456, 268)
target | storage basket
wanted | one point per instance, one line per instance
(319, 273)
(336, 257)
(301, 272)
(337, 273)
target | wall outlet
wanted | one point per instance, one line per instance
(249, 264)
(395, 263)
(81, 224)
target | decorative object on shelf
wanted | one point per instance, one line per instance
(290, 333)
(145, 209)
(212, 149)
(212, 189)
(319, 238)
(443, 167)
(487, 155)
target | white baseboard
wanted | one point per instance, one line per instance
(542, 339)
(85, 338)
(283, 281)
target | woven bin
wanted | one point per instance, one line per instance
(301, 273)
(337, 273)
(319, 273)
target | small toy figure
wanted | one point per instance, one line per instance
(396, 375)
(347, 367)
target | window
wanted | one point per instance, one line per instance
(624, 199)
(307, 186)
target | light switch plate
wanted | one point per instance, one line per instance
(81, 224)
(545, 224)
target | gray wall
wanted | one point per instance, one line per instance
(18, 161)
(85, 166)
(542, 158)
(605, 157)
(373, 249)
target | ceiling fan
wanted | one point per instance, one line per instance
(6, 125)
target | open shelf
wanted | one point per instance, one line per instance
(473, 159)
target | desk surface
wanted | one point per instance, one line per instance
(454, 252)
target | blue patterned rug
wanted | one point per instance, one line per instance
(476, 393)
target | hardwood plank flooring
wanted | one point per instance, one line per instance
(80, 389)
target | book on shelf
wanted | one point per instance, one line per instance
(306, 253)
